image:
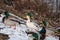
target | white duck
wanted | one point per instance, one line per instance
(30, 24)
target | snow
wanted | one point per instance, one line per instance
(50, 37)
(14, 34)
(30, 37)
(20, 32)
(1, 24)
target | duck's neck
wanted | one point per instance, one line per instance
(28, 20)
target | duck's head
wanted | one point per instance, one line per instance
(29, 15)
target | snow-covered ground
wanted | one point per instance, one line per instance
(15, 34)
(18, 31)
(50, 35)
(14, 30)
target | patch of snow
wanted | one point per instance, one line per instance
(50, 37)
(18, 34)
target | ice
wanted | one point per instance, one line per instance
(19, 33)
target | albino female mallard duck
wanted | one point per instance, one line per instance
(32, 27)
